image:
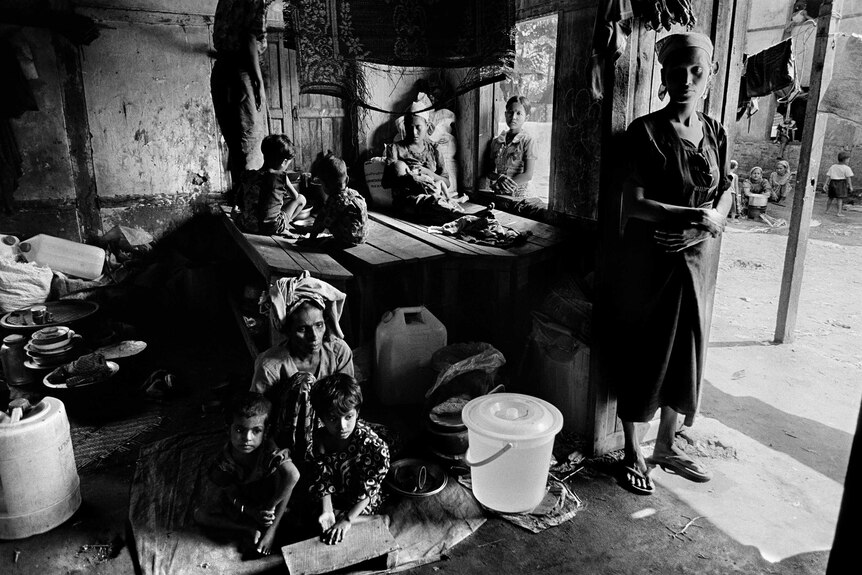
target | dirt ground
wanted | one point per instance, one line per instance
(775, 427)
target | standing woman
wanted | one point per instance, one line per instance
(675, 200)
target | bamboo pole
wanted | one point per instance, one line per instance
(809, 166)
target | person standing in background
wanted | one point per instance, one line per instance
(236, 83)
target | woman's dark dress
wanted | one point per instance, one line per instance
(662, 302)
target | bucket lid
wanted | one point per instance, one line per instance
(512, 416)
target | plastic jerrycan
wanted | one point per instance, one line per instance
(8, 246)
(73, 258)
(403, 344)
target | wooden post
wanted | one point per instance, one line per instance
(78, 132)
(809, 166)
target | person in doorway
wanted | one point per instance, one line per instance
(779, 181)
(269, 201)
(735, 207)
(306, 311)
(249, 485)
(675, 201)
(512, 153)
(236, 83)
(345, 213)
(350, 460)
(416, 173)
(839, 182)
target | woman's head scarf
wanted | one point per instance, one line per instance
(287, 294)
(419, 108)
(673, 42)
(781, 180)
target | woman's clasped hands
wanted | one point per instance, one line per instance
(708, 222)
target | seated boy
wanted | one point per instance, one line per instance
(350, 460)
(248, 486)
(345, 213)
(267, 199)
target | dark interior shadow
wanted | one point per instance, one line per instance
(809, 442)
(739, 343)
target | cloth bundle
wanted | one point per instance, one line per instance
(87, 369)
(482, 229)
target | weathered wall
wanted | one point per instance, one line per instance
(753, 146)
(156, 150)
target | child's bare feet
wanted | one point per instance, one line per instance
(263, 542)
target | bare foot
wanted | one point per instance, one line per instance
(264, 542)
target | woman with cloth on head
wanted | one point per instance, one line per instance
(416, 173)
(675, 201)
(779, 181)
(306, 311)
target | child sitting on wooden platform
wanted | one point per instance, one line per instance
(268, 200)
(345, 213)
(248, 486)
(350, 460)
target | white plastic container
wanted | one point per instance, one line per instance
(8, 246)
(510, 438)
(403, 344)
(73, 258)
(39, 485)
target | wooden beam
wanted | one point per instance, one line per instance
(809, 166)
(78, 134)
(733, 67)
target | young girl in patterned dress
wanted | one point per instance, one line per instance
(350, 460)
(513, 154)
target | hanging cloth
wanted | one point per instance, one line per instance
(333, 35)
(770, 70)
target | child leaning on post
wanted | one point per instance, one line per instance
(248, 486)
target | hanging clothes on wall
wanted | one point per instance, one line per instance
(610, 36)
(770, 70)
(331, 36)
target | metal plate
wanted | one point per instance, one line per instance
(64, 312)
(406, 477)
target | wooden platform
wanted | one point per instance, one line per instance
(366, 540)
(406, 252)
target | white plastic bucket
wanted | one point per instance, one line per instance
(39, 485)
(510, 439)
(404, 341)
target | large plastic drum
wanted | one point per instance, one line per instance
(39, 485)
(510, 438)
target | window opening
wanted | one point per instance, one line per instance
(535, 57)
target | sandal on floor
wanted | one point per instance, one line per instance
(682, 465)
(629, 476)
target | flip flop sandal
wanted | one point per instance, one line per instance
(682, 466)
(625, 479)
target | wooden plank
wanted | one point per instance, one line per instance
(321, 264)
(366, 540)
(275, 258)
(368, 255)
(813, 134)
(438, 241)
(402, 246)
(293, 105)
